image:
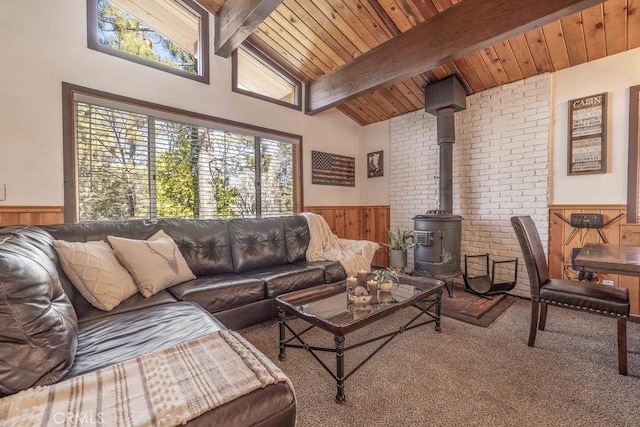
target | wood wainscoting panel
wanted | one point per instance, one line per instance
(31, 215)
(359, 223)
(618, 232)
(630, 235)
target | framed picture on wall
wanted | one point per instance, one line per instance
(587, 148)
(375, 164)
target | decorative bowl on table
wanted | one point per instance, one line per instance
(360, 295)
(362, 299)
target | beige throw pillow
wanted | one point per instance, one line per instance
(155, 264)
(94, 270)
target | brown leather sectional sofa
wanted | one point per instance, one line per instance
(240, 265)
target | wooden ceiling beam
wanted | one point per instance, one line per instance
(236, 20)
(440, 39)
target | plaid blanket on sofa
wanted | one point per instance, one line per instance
(166, 387)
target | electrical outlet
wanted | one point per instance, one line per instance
(608, 282)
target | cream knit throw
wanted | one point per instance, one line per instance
(353, 255)
(165, 388)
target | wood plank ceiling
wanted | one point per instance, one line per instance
(312, 38)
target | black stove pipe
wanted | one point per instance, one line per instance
(442, 99)
(446, 139)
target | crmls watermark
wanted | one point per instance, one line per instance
(83, 418)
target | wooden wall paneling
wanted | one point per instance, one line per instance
(612, 234)
(615, 233)
(559, 230)
(556, 235)
(30, 215)
(630, 235)
(353, 223)
(358, 223)
(575, 240)
(376, 226)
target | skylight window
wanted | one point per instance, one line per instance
(170, 35)
(256, 75)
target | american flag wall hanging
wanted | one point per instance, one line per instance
(332, 169)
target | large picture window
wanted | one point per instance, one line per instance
(171, 35)
(133, 162)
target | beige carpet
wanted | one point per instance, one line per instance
(472, 376)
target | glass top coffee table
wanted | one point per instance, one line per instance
(327, 308)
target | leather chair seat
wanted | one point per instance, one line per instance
(114, 339)
(220, 292)
(591, 296)
(281, 279)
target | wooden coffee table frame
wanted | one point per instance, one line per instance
(287, 304)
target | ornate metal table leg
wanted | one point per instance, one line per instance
(339, 339)
(281, 318)
(438, 306)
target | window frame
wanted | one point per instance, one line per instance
(71, 91)
(203, 72)
(276, 68)
(633, 172)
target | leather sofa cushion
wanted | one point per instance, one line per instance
(296, 231)
(137, 301)
(333, 271)
(256, 243)
(592, 296)
(281, 279)
(38, 326)
(220, 292)
(99, 230)
(205, 244)
(114, 339)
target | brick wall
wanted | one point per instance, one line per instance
(500, 168)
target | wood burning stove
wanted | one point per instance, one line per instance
(437, 251)
(437, 234)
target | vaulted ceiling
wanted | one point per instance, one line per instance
(331, 45)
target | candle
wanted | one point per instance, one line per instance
(362, 278)
(372, 284)
(352, 282)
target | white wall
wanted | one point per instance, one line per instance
(613, 75)
(45, 43)
(500, 167)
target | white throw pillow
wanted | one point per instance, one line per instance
(94, 270)
(154, 264)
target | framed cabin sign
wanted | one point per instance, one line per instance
(587, 135)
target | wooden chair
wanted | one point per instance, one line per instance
(584, 296)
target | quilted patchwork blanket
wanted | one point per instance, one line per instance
(164, 388)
